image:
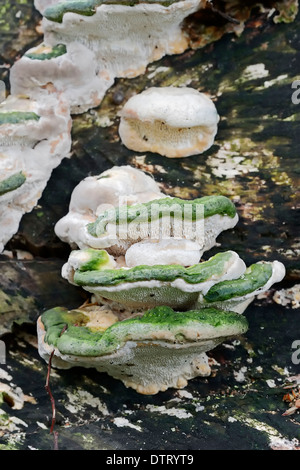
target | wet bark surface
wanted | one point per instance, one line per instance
(254, 161)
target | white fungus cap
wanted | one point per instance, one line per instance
(34, 147)
(174, 122)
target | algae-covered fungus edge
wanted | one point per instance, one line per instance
(151, 352)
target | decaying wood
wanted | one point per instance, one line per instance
(255, 161)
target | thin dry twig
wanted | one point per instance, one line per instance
(48, 389)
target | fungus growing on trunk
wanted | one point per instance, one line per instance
(236, 295)
(93, 195)
(149, 286)
(174, 122)
(200, 220)
(34, 138)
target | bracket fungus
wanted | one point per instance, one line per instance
(87, 44)
(200, 220)
(237, 294)
(71, 71)
(174, 122)
(103, 40)
(173, 285)
(34, 137)
(159, 348)
(151, 352)
(157, 307)
(107, 209)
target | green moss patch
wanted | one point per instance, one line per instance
(215, 266)
(66, 330)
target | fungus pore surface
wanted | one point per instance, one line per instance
(174, 122)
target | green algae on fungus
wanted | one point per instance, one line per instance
(101, 45)
(149, 352)
(56, 51)
(88, 7)
(223, 282)
(12, 182)
(180, 327)
(34, 138)
(119, 183)
(154, 210)
(146, 286)
(237, 294)
(16, 117)
(256, 276)
(214, 268)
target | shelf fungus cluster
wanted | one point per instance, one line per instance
(34, 137)
(86, 45)
(157, 307)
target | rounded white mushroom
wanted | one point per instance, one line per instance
(174, 122)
